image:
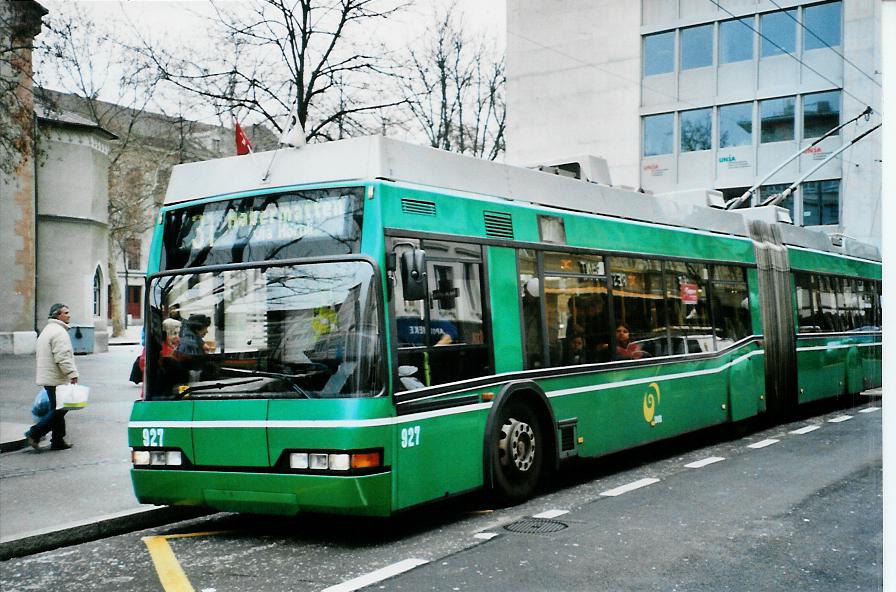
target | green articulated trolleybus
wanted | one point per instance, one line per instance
(364, 326)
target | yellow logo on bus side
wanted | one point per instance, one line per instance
(651, 401)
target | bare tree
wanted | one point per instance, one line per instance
(454, 89)
(289, 57)
(19, 23)
(87, 61)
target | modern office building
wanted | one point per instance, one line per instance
(687, 94)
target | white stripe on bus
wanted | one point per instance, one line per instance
(649, 379)
(843, 346)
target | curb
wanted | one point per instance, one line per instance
(13, 445)
(96, 528)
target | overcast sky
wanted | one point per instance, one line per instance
(181, 24)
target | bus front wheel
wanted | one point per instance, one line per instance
(517, 453)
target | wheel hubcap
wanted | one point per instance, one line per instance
(517, 444)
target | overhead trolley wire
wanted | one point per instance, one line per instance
(811, 32)
(752, 28)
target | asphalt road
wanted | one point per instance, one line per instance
(802, 513)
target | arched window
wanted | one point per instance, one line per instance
(97, 292)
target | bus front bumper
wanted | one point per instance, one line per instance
(264, 493)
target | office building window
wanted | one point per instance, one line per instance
(735, 125)
(696, 130)
(821, 202)
(822, 24)
(696, 47)
(659, 53)
(736, 40)
(821, 113)
(776, 123)
(778, 33)
(658, 134)
(766, 191)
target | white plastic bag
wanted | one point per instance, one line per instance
(72, 396)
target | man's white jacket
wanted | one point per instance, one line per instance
(55, 355)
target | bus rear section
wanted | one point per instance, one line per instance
(264, 386)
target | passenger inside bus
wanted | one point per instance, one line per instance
(625, 349)
(588, 318)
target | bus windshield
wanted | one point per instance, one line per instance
(277, 226)
(278, 331)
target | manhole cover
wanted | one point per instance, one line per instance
(535, 526)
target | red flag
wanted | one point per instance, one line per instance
(243, 146)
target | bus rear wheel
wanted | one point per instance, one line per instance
(517, 453)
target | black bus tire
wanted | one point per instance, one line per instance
(518, 452)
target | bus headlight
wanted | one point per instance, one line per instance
(157, 458)
(334, 461)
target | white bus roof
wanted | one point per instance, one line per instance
(376, 157)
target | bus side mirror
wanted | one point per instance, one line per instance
(413, 274)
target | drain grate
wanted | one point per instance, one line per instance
(535, 526)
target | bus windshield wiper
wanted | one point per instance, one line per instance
(292, 378)
(214, 386)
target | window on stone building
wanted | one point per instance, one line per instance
(821, 113)
(735, 125)
(822, 24)
(659, 53)
(696, 47)
(658, 134)
(696, 130)
(736, 40)
(97, 292)
(777, 116)
(778, 31)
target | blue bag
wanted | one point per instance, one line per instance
(41, 406)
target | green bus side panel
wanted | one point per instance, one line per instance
(466, 218)
(237, 446)
(746, 386)
(503, 295)
(655, 240)
(159, 411)
(832, 366)
(661, 403)
(265, 493)
(444, 460)
(872, 365)
(825, 263)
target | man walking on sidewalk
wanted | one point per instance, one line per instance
(55, 366)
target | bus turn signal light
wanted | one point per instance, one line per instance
(366, 460)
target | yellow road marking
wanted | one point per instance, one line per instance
(171, 574)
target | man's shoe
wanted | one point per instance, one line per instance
(32, 442)
(62, 445)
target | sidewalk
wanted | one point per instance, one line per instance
(54, 498)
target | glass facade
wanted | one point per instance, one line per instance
(822, 24)
(659, 53)
(736, 125)
(778, 31)
(696, 47)
(754, 121)
(776, 119)
(658, 134)
(696, 130)
(821, 202)
(736, 40)
(821, 113)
